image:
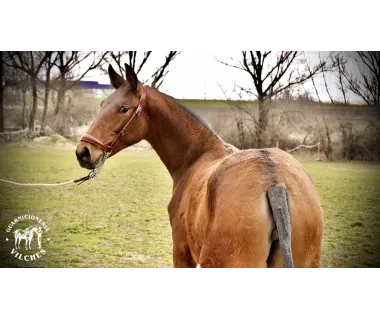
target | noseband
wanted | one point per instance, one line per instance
(108, 147)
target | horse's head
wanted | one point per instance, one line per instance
(36, 229)
(117, 113)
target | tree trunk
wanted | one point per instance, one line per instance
(240, 127)
(23, 122)
(60, 106)
(1, 93)
(61, 94)
(35, 102)
(328, 149)
(262, 123)
(342, 88)
(46, 101)
(154, 83)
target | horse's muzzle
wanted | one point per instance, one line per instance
(84, 158)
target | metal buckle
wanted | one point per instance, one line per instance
(94, 173)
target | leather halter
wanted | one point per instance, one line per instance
(108, 147)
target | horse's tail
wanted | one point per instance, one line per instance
(278, 202)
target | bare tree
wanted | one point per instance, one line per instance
(339, 63)
(324, 79)
(24, 86)
(271, 74)
(326, 137)
(364, 81)
(138, 60)
(68, 64)
(17, 80)
(72, 66)
(30, 63)
(48, 66)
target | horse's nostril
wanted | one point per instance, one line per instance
(84, 155)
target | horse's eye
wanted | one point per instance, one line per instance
(124, 109)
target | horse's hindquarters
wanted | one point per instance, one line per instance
(241, 226)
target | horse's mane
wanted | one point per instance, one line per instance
(198, 119)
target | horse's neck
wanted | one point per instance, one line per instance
(179, 137)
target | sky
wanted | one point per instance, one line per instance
(199, 75)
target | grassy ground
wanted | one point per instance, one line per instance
(120, 219)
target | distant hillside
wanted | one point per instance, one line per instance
(200, 103)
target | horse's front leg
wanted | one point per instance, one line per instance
(182, 257)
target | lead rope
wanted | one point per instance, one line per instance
(37, 184)
(92, 175)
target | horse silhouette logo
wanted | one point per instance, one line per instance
(27, 234)
(31, 249)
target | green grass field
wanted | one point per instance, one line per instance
(120, 219)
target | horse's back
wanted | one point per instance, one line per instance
(243, 179)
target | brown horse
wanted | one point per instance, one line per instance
(230, 208)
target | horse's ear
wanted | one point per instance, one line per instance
(115, 79)
(131, 77)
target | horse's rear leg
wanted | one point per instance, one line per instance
(242, 260)
(251, 251)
